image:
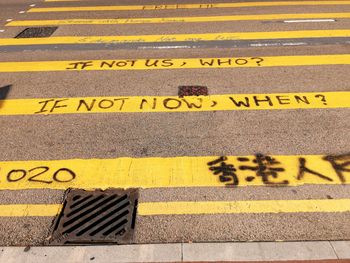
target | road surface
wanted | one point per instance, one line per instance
(263, 157)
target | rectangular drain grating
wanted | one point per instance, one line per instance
(90, 217)
(192, 91)
(34, 32)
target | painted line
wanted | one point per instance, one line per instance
(177, 63)
(176, 37)
(206, 171)
(138, 104)
(309, 21)
(183, 6)
(241, 207)
(164, 47)
(67, 1)
(186, 44)
(200, 208)
(294, 44)
(24, 210)
(112, 21)
(87, 1)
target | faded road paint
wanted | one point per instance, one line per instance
(112, 21)
(176, 63)
(228, 102)
(208, 171)
(183, 6)
(175, 37)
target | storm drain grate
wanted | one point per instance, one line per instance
(33, 32)
(192, 91)
(90, 217)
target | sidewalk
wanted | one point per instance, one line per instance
(199, 252)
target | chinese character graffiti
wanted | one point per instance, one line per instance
(264, 167)
(225, 171)
(272, 171)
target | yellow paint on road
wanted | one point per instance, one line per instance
(23, 210)
(242, 207)
(156, 172)
(175, 37)
(176, 63)
(190, 3)
(199, 207)
(227, 102)
(183, 6)
(76, 0)
(114, 21)
(86, 1)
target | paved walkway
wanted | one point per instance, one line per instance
(180, 252)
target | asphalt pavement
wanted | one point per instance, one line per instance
(32, 140)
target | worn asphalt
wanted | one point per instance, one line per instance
(214, 133)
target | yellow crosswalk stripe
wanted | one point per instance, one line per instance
(240, 207)
(176, 37)
(183, 6)
(227, 102)
(24, 210)
(199, 207)
(154, 172)
(63, 1)
(85, 1)
(176, 63)
(113, 21)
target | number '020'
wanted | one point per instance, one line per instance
(34, 175)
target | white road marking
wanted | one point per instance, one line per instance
(165, 47)
(294, 44)
(265, 44)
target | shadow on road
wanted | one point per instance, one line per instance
(4, 91)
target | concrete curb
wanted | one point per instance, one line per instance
(194, 252)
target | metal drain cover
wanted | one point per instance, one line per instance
(33, 32)
(90, 217)
(192, 91)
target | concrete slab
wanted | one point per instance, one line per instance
(342, 248)
(315, 252)
(112, 254)
(258, 251)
